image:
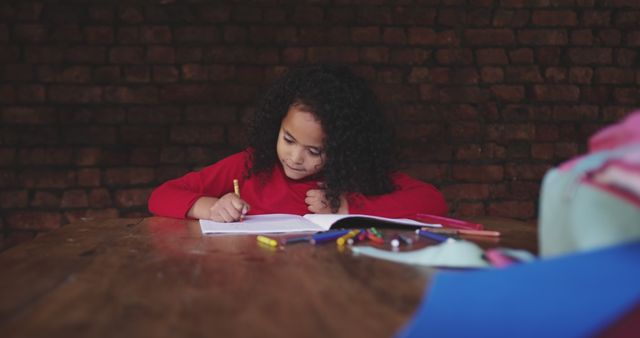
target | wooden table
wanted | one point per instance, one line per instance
(159, 277)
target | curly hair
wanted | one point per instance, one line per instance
(359, 140)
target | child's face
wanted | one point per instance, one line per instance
(300, 144)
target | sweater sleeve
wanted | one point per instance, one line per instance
(410, 197)
(175, 197)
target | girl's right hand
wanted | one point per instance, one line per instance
(228, 208)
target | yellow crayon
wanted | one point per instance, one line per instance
(266, 240)
(342, 240)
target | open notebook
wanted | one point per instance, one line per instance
(311, 222)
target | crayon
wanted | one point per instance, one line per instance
(432, 236)
(343, 239)
(327, 236)
(266, 240)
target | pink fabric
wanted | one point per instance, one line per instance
(619, 134)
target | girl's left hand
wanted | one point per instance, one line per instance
(318, 204)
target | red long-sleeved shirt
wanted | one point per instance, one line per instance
(279, 194)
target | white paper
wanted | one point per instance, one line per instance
(261, 224)
(272, 223)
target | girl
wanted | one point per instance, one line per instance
(319, 143)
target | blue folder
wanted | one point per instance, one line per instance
(576, 295)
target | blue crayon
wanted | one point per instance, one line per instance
(327, 236)
(293, 240)
(431, 235)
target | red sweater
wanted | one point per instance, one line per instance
(279, 194)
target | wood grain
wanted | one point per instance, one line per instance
(159, 277)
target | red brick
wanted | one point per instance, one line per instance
(492, 74)
(214, 13)
(128, 35)
(549, 56)
(610, 75)
(164, 74)
(556, 93)
(332, 54)
(478, 173)
(554, 18)
(590, 56)
(422, 36)
(513, 209)
(101, 13)
(99, 198)
(235, 34)
(609, 37)
(510, 18)
(197, 134)
(365, 35)
(338, 35)
(7, 94)
(307, 14)
(274, 15)
(129, 176)
(194, 72)
(347, 14)
(127, 198)
(30, 93)
(428, 172)
(74, 199)
(575, 113)
(18, 72)
(28, 115)
(396, 92)
(480, 151)
(126, 55)
(45, 199)
(374, 55)
(30, 33)
(467, 131)
(33, 220)
(418, 75)
(566, 150)
(466, 191)
(526, 74)
(38, 54)
(629, 96)
(489, 37)
(138, 94)
(66, 33)
(203, 34)
(627, 19)
(13, 199)
(137, 73)
(521, 56)
(470, 209)
(555, 74)
(580, 75)
(157, 54)
(542, 37)
(596, 18)
(87, 156)
(390, 75)
(90, 135)
(596, 94)
(547, 133)
(410, 56)
(542, 151)
(99, 34)
(508, 92)
(45, 156)
(625, 57)
(451, 17)
(85, 54)
(155, 34)
(454, 56)
(293, 55)
(526, 171)
(394, 36)
(107, 74)
(491, 56)
(582, 37)
(75, 94)
(142, 135)
(88, 177)
(221, 72)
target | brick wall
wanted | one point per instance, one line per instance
(101, 100)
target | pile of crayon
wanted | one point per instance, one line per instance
(344, 237)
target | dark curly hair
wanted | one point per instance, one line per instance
(359, 139)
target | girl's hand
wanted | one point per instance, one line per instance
(318, 204)
(228, 208)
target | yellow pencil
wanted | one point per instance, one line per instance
(266, 240)
(236, 190)
(236, 187)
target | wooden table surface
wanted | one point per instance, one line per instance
(159, 277)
